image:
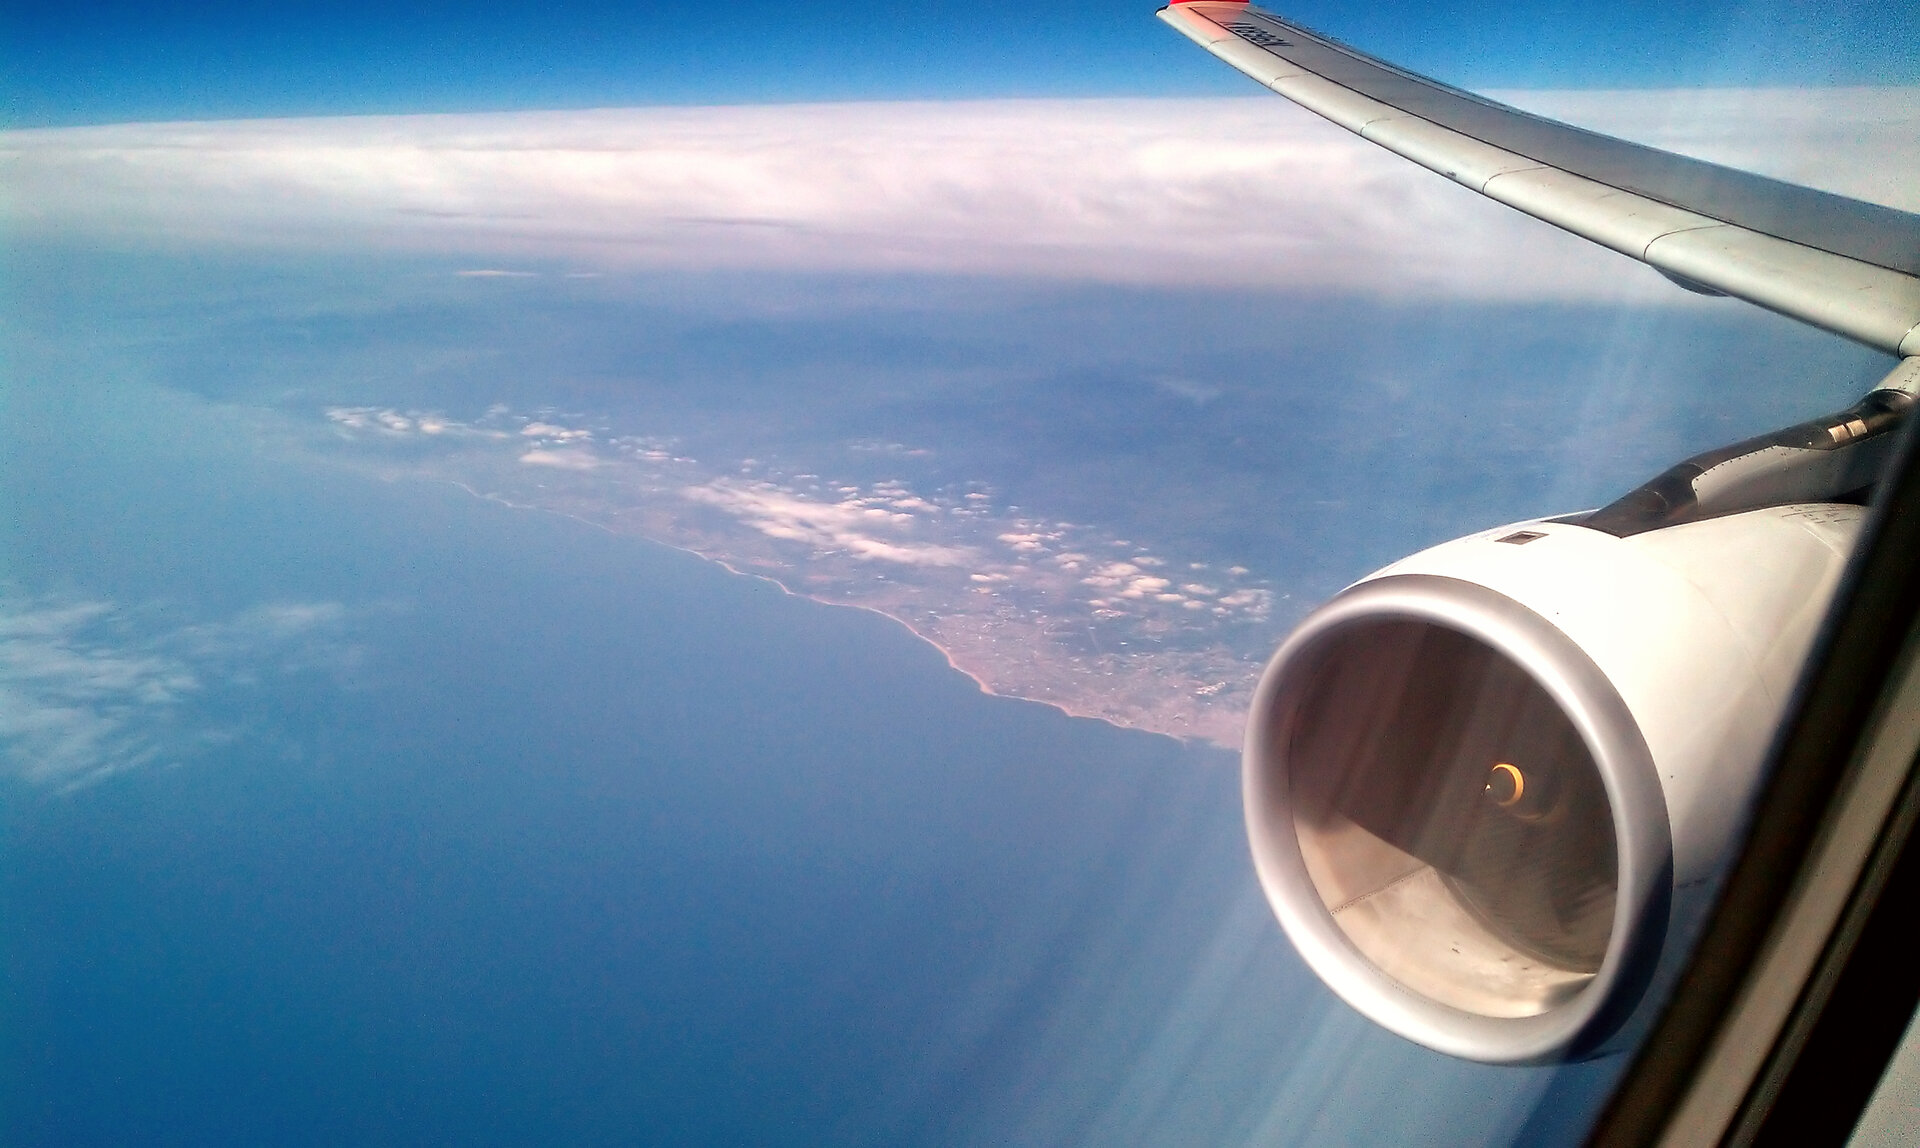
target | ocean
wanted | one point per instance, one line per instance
(349, 811)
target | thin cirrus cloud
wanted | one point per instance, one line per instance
(1248, 191)
(90, 688)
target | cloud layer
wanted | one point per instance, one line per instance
(1223, 191)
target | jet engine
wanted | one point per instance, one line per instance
(1483, 784)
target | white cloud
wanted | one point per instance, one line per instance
(572, 459)
(393, 424)
(845, 526)
(1229, 191)
(1255, 603)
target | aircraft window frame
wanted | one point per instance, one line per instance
(1892, 1114)
(1858, 1007)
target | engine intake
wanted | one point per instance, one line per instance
(1432, 777)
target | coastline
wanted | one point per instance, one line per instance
(980, 681)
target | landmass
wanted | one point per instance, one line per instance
(1028, 606)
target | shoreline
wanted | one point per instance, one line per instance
(982, 684)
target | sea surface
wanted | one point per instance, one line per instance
(349, 811)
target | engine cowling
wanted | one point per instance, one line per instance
(1482, 783)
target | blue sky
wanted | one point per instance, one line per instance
(108, 62)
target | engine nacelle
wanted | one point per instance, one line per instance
(1478, 780)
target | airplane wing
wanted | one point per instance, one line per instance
(1840, 264)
